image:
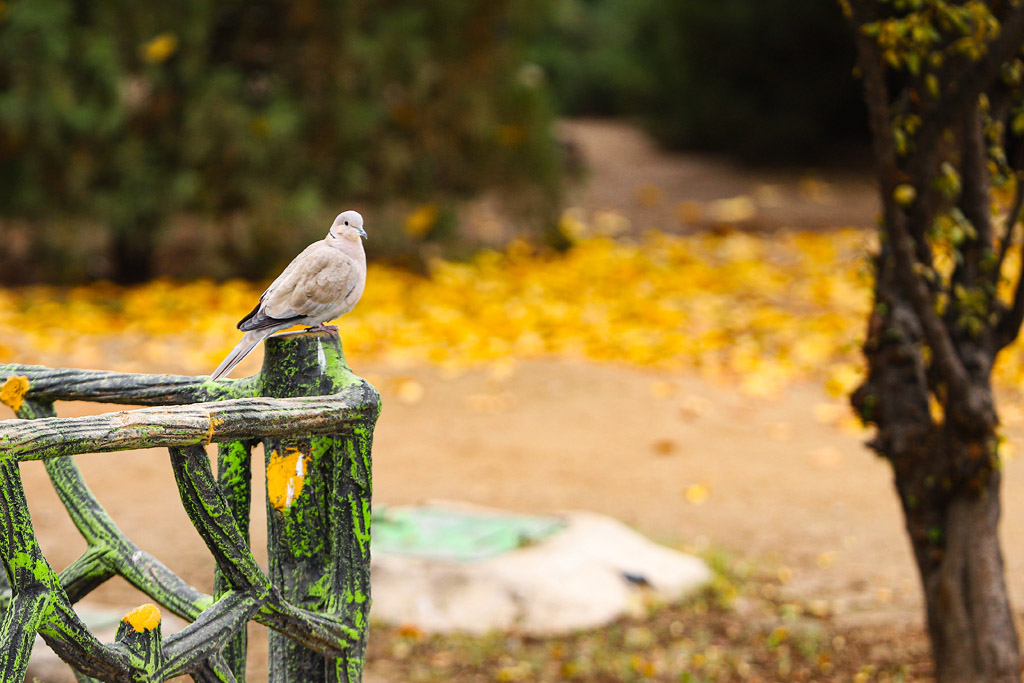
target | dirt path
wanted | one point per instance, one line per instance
(686, 462)
(627, 173)
(689, 463)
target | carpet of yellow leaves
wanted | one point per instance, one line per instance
(761, 311)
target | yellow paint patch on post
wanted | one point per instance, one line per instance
(286, 473)
(12, 394)
(144, 618)
(214, 423)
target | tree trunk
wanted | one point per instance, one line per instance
(949, 486)
(970, 622)
(947, 475)
(934, 334)
(132, 253)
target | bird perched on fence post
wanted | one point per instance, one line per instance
(322, 283)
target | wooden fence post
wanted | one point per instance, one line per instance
(318, 507)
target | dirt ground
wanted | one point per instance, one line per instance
(626, 173)
(780, 491)
(771, 483)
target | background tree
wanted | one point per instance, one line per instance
(944, 85)
(695, 72)
(127, 115)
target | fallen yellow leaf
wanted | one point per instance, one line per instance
(409, 391)
(697, 494)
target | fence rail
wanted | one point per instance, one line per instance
(315, 419)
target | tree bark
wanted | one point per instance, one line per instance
(970, 623)
(952, 519)
(948, 479)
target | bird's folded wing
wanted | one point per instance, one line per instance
(258, 318)
(317, 289)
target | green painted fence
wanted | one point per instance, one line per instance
(315, 419)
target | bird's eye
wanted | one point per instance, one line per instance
(346, 222)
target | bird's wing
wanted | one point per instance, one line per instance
(257, 318)
(313, 287)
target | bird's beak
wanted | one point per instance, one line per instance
(363, 233)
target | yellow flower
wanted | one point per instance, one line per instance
(160, 48)
(420, 222)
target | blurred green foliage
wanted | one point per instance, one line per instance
(220, 122)
(765, 80)
(592, 55)
(125, 114)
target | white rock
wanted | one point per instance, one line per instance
(575, 579)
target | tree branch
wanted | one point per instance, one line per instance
(1012, 218)
(973, 79)
(975, 195)
(1009, 324)
(877, 97)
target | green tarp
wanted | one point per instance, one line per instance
(455, 535)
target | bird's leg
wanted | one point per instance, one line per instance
(322, 328)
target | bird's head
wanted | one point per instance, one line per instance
(348, 226)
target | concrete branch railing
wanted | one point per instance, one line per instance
(315, 419)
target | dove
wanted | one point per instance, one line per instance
(322, 283)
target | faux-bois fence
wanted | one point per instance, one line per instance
(315, 419)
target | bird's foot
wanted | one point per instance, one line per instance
(322, 328)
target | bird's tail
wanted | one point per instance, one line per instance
(241, 350)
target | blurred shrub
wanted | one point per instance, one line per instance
(765, 80)
(127, 113)
(590, 53)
